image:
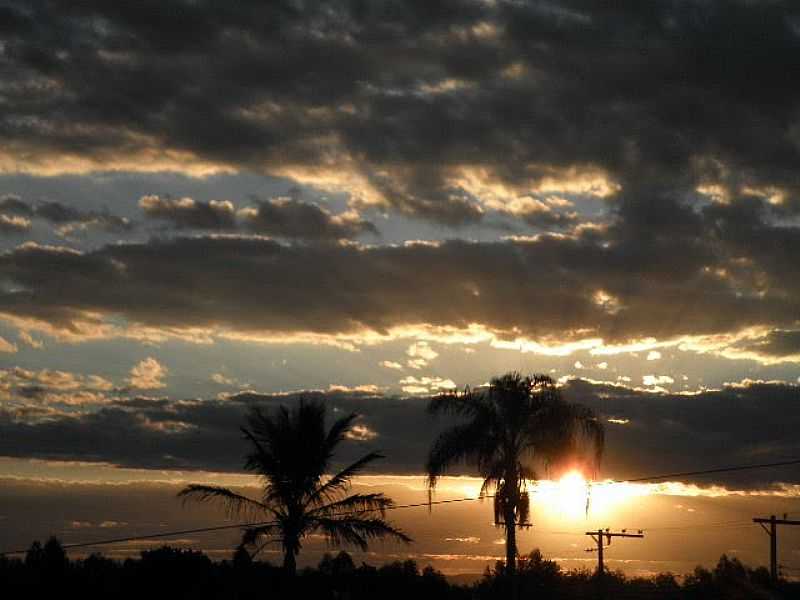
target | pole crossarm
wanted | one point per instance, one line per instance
(772, 532)
(609, 535)
(777, 521)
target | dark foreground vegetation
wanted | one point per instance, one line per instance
(47, 572)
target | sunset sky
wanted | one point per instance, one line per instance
(208, 206)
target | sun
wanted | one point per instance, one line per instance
(573, 482)
(570, 495)
(574, 498)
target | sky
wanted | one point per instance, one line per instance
(205, 208)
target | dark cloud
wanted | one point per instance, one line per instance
(551, 220)
(744, 423)
(778, 343)
(55, 212)
(399, 98)
(290, 218)
(286, 217)
(187, 213)
(688, 272)
(16, 213)
(447, 111)
(663, 433)
(11, 204)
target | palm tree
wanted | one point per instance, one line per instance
(291, 453)
(515, 422)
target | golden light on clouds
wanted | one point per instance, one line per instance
(152, 159)
(494, 192)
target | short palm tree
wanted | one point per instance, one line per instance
(512, 425)
(291, 453)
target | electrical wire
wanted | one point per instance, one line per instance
(429, 504)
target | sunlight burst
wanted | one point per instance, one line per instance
(573, 497)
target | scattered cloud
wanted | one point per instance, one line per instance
(282, 217)
(6, 346)
(361, 433)
(28, 339)
(293, 218)
(188, 213)
(425, 385)
(390, 364)
(16, 217)
(14, 225)
(657, 380)
(221, 379)
(365, 388)
(33, 388)
(148, 375)
(421, 350)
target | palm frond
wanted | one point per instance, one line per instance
(355, 531)
(354, 504)
(340, 482)
(458, 444)
(235, 504)
(338, 432)
(493, 476)
(468, 403)
(561, 431)
(291, 451)
(523, 509)
(260, 460)
(594, 433)
(251, 535)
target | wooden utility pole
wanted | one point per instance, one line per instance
(772, 532)
(598, 536)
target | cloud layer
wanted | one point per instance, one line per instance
(722, 275)
(648, 433)
(434, 110)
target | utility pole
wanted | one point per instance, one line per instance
(598, 536)
(772, 532)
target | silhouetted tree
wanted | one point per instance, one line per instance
(341, 565)
(169, 572)
(292, 452)
(513, 422)
(242, 558)
(50, 558)
(34, 557)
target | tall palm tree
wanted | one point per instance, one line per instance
(291, 453)
(514, 424)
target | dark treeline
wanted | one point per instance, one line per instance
(168, 572)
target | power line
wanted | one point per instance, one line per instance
(419, 505)
(242, 525)
(712, 471)
(723, 524)
(150, 536)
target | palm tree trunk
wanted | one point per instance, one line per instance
(289, 562)
(511, 552)
(511, 542)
